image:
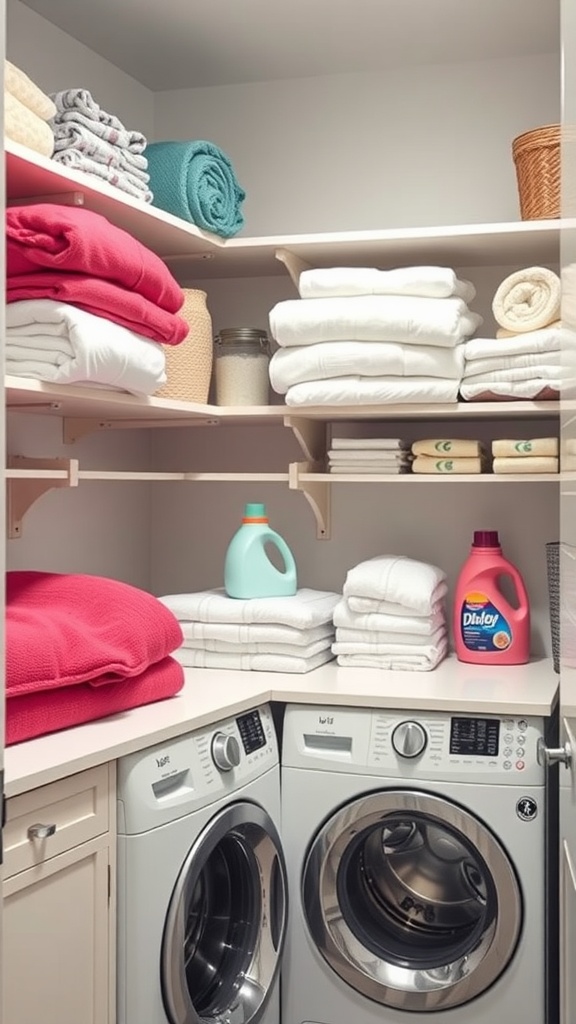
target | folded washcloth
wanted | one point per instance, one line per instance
(22, 125)
(414, 321)
(528, 360)
(427, 464)
(535, 390)
(417, 625)
(196, 182)
(288, 650)
(397, 580)
(375, 606)
(367, 443)
(549, 339)
(538, 446)
(252, 662)
(329, 359)
(60, 343)
(527, 300)
(307, 609)
(17, 83)
(426, 282)
(123, 180)
(369, 641)
(78, 105)
(534, 464)
(254, 633)
(374, 391)
(399, 662)
(455, 447)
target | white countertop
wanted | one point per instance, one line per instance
(210, 694)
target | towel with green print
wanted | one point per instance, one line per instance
(448, 456)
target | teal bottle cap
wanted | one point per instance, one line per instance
(255, 511)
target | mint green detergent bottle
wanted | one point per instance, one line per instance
(248, 571)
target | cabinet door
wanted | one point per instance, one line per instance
(56, 940)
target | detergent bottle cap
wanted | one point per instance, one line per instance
(254, 511)
(486, 539)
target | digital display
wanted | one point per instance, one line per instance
(251, 731)
(474, 736)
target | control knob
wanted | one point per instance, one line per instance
(225, 751)
(409, 739)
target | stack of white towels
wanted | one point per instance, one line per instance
(273, 634)
(362, 336)
(523, 361)
(392, 615)
(385, 456)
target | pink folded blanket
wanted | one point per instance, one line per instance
(35, 714)
(75, 240)
(64, 629)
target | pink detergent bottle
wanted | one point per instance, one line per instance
(488, 630)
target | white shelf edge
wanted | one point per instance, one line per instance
(414, 478)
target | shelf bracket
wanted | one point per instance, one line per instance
(22, 493)
(317, 494)
(74, 428)
(294, 265)
(311, 436)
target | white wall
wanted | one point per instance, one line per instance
(431, 145)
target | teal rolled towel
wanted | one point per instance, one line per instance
(196, 182)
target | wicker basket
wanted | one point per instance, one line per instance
(537, 158)
(189, 364)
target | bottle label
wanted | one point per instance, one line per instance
(482, 626)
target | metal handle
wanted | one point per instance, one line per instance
(548, 756)
(41, 831)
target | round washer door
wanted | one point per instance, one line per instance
(411, 900)
(226, 921)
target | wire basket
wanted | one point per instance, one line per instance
(553, 574)
(537, 157)
(189, 364)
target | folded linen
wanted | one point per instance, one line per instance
(417, 625)
(527, 300)
(22, 125)
(252, 662)
(120, 179)
(254, 633)
(568, 463)
(368, 641)
(537, 389)
(376, 606)
(288, 650)
(63, 629)
(398, 580)
(569, 446)
(290, 366)
(454, 447)
(426, 282)
(414, 321)
(535, 464)
(528, 360)
(79, 105)
(18, 84)
(425, 647)
(503, 333)
(370, 468)
(549, 339)
(391, 444)
(505, 448)
(400, 662)
(338, 455)
(374, 391)
(60, 343)
(196, 181)
(307, 609)
(427, 464)
(544, 371)
(77, 136)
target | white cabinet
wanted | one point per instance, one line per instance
(58, 906)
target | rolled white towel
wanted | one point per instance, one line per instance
(527, 300)
(426, 282)
(421, 625)
(397, 579)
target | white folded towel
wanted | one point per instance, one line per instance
(369, 605)
(527, 300)
(290, 650)
(398, 580)
(372, 318)
(58, 342)
(251, 662)
(426, 282)
(533, 464)
(545, 371)
(329, 359)
(370, 468)
(550, 339)
(374, 391)
(305, 610)
(388, 444)
(369, 641)
(254, 633)
(337, 455)
(399, 662)
(512, 362)
(527, 390)
(417, 625)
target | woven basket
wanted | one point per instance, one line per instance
(537, 158)
(189, 364)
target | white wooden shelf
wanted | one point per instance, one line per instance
(430, 478)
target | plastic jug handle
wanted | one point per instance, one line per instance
(519, 587)
(281, 545)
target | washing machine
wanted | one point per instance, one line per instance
(201, 877)
(416, 874)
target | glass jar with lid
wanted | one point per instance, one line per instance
(242, 360)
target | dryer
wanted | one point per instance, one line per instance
(415, 849)
(201, 877)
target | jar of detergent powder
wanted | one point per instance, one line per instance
(242, 366)
(488, 629)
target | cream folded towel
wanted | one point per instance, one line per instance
(531, 465)
(549, 339)
(538, 446)
(456, 448)
(527, 300)
(369, 641)
(251, 662)
(398, 580)
(374, 391)
(447, 467)
(421, 625)
(23, 126)
(391, 444)
(400, 662)
(503, 333)
(18, 84)
(569, 446)
(305, 610)
(254, 633)
(369, 605)
(290, 650)
(426, 282)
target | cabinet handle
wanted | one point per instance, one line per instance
(41, 831)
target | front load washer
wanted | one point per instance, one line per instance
(415, 854)
(201, 877)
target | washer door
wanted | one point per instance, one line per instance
(411, 900)
(226, 921)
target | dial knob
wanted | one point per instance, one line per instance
(225, 752)
(409, 739)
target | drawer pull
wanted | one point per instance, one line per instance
(41, 831)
